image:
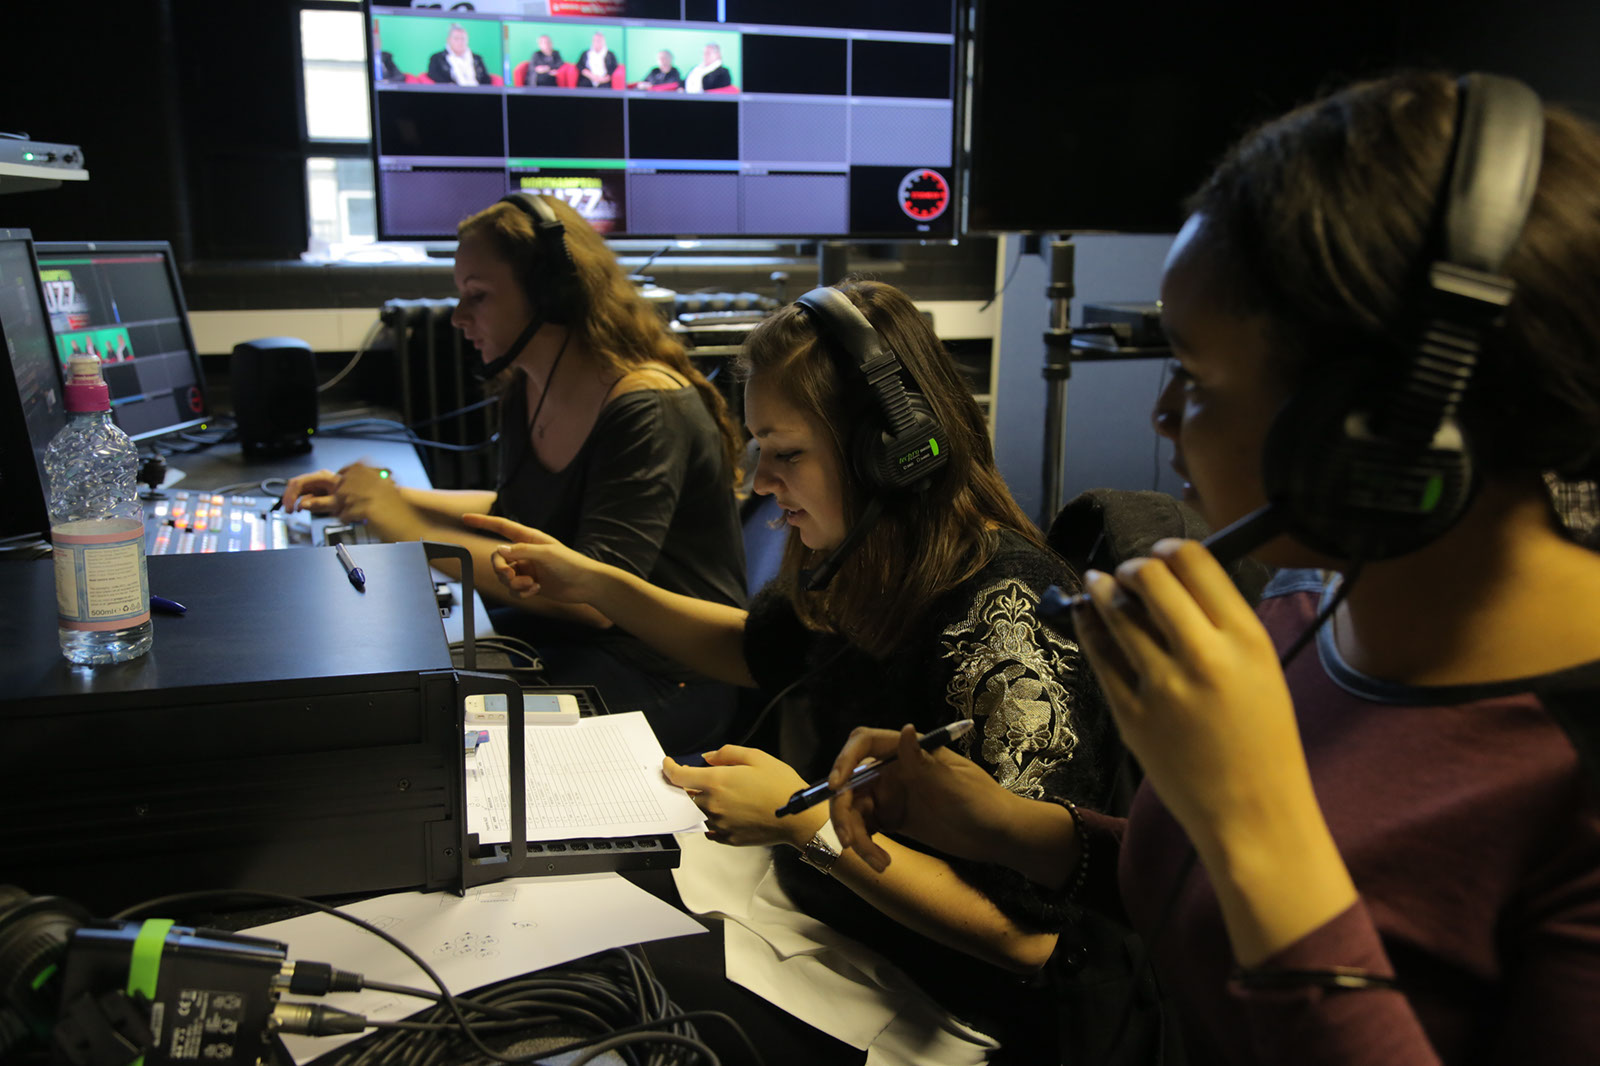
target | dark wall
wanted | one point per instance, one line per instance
(188, 115)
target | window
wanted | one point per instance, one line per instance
(338, 126)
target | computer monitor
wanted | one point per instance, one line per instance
(683, 118)
(31, 411)
(122, 301)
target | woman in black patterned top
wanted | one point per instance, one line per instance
(932, 618)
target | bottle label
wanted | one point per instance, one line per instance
(101, 581)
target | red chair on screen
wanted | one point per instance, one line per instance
(567, 76)
(666, 87)
(619, 78)
(519, 73)
(724, 89)
(495, 79)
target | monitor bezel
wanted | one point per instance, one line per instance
(954, 169)
(175, 283)
(28, 512)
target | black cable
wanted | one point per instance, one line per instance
(1345, 585)
(790, 687)
(609, 1040)
(458, 412)
(1009, 275)
(653, 258)
(191, 898)
(651, 1037)
(510, 647)
(431, 1039)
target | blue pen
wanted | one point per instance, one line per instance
(351, 570)
(166, 606)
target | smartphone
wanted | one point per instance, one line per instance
(538, 708)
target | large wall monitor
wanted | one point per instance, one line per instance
(688, 118)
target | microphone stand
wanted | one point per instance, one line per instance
(1057, 369)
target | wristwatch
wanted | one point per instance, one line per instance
(822, 850)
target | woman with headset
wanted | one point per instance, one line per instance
(610, 439)
(930, 615)
(1388, 850)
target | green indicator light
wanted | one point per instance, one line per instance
(934, 445)
(43, 976)
(1431, 495)
(29, 156)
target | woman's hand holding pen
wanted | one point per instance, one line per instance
(936, 797)
(536, 564)
(739, 790)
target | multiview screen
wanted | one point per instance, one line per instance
(687, 118)
(122, 302)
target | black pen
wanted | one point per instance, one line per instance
(812, 795)
(351, 570)
(1227, 545)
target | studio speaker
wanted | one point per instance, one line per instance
(274, 384)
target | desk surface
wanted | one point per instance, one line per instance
(253, 617)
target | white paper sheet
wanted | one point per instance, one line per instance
(821, 976)
(495, 932)
(600, 777)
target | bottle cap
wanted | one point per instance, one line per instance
(86, 389)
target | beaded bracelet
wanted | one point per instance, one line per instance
(1338, 978)
(1081, 874)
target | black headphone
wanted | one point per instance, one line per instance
(553, 285)
(902, 450)
(34, 931)
(1364, 464)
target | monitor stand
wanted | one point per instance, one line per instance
(833, 261)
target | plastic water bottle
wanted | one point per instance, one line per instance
(97, 527)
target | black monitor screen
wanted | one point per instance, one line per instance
(1133, 108)
(683, 118)
(31, 411)
(121, 301)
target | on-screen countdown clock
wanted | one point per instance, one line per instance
(924, 194)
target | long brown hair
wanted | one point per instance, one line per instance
(615, 325)
(925, 543)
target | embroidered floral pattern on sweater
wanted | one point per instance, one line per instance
(1007, 666)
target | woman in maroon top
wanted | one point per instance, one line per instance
(1389, 851)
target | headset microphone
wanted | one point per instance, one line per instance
(817, 580)
(484, 371)
(554, 288)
